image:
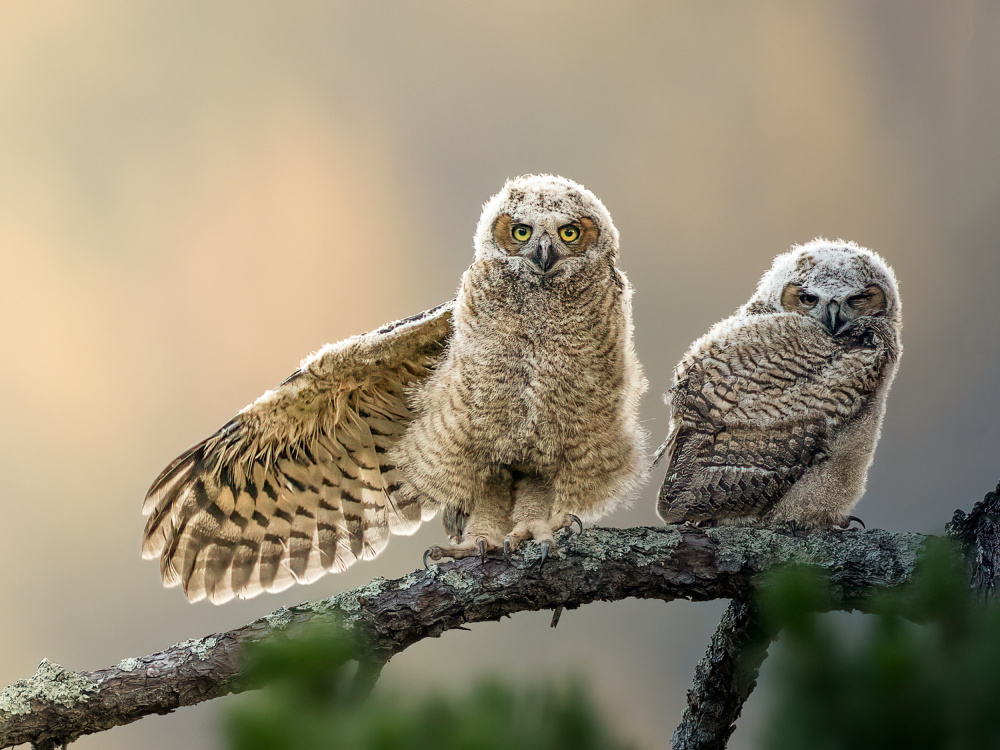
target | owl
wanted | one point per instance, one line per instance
(512, 409)
(775, 412)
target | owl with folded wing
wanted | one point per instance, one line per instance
(512, 410)
(776, 411)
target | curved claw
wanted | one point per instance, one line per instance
(545, 554)
(507, 550)
(859, 521)
(427, 554)
(575, 519)
(481, 547)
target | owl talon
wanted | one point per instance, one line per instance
(434, 553)
(481, 547)
(850, 519)
(508, 549)
(545, 554)
(575, 519)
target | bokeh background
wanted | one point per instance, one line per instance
(194, 195)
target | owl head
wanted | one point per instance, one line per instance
(545, 226)
(835, 283)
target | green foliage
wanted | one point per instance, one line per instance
(311, 703)
(935, 685)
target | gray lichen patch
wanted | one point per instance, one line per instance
(279, 619)
(372, 589)
(410, 580)
(660, 541)
(129, 665)
(200, 648)
(350, 602)
(741, 546)
(346, 602)
(737, 544)
(51, 683)
(598, 545)
(458, 579)
(203, 648)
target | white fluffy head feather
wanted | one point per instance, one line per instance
(545, 203)
(834, 267)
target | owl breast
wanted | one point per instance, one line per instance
(535, 379)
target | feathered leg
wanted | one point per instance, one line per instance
(535, 516)
(487, 521)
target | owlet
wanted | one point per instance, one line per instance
(775, 412)
(511, 409)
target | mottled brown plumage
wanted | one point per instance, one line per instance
(776, 411)
(509, 409)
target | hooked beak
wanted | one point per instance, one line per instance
(833, 319)
(543, 256)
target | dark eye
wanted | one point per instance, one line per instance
(808, 299)
(857, 301)
(521, 232)
(569, 233)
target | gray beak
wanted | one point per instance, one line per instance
(542, 255)
(832, 318)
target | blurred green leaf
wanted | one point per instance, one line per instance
(896, 684)
(310, 704)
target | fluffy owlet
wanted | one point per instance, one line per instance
(775, 412)
(511, 409)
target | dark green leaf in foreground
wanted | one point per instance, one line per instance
(309, 704)
(896, 684)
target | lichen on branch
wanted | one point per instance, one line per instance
(384, 617)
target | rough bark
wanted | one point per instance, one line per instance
(723, 679)
(979, 533)
(58, 705)
(727, 674)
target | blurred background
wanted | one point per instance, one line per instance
(195, 195)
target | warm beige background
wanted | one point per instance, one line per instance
(194, 195)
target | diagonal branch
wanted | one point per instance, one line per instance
(979, 534)
(58, 705)
(723, 679)
(727, 674)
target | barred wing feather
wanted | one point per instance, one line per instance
(752, 408)
(299, 483)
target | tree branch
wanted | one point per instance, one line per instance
(723, 679)
(727, 674)
(979, 534)
(384, 617)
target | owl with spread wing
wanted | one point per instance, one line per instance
(776, 411)
(512, 410)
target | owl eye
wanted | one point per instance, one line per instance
(857, 301)
(808, 299)
(521, 232)
(569, 233)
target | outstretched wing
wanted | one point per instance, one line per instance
(299, 483)
(752, 408)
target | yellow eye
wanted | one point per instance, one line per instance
(569, 233)
(521, 232)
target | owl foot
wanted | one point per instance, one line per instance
(542, 532)
(477, 546)
(544, 546)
